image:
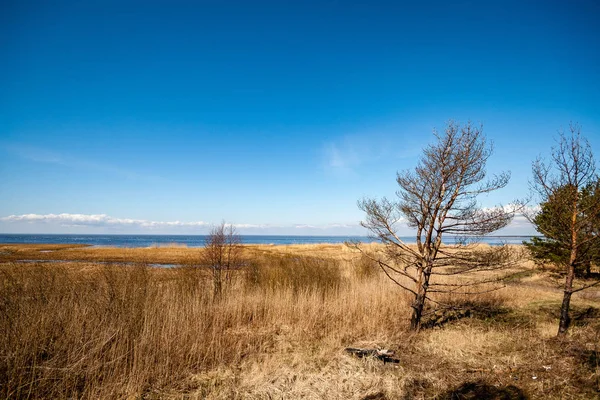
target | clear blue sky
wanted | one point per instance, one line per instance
(128, 116)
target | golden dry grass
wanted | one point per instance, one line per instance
(88, 330)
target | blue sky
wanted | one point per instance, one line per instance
(165, 117)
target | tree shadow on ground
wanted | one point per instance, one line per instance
(375, 396)
(580, 316)
(481, 311)
(586, 357)
(483, 391)
(591, 358)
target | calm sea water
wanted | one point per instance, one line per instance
(198, 240)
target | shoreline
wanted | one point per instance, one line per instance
(197, 241)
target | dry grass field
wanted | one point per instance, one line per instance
(82, 322)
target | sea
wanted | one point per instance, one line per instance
(199, 240)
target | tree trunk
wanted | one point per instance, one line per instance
(417, 306)
(217, 283)
(565, 319)
(419, 303)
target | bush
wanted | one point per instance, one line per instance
(299, 273)
(365, 268)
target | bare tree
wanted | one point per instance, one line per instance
(569, 217)
(437, 198)
(222, 254)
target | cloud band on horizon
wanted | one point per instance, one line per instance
(103, 220)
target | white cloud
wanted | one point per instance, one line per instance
(350, 151)
(102, 223)
(342, 157)
(519, 225)
(35, 154)
(95, 220)
(46, 156)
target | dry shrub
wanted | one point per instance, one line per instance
(298, 273)
(365, 268)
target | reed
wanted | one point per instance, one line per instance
(294, 272)
(87, 330)
(116, 331)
